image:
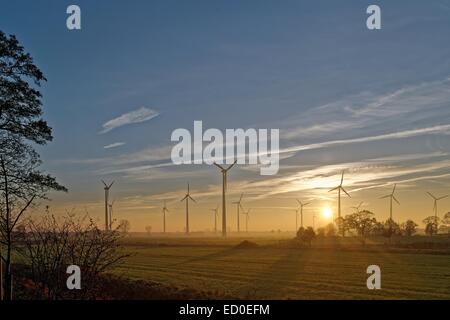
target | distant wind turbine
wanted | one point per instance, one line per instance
(164, 210)
(301, 204)
(340, 188)
(187, 197)
(247, 217)
(435, 206)
(224, 191)
(238, 206)
(107, 187)
(216, 213)
(391, 197)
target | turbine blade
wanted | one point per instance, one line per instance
(184, 198)
(393, 190)
(231, 166)
(111, 184)
(299, 202)
(240, 199)
(342, 178)
(345, 192)
(384, 197)
(431, 195)
(306, 204)
(192, 199)
(104, 183)
(393, 197)
(219, 166)
(443, 197)
(334, 189)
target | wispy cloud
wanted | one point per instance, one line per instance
(388, 136)
(137, 116)
(114, 145)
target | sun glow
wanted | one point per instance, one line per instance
(327, 213)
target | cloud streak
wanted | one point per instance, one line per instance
(114, 145)
(137, 116)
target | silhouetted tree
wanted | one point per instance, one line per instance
(408, 228)
(321, 232)
(306, 235)
(445, 223)
(21, 183)
(343, 225)
(391, 228)
(431, 225)
(330, 230)
(51, 245)
(378, 229)
(20, 102)
(362, 221)
(124, 226)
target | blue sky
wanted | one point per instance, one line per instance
(376, 103)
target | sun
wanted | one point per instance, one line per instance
(327, 213)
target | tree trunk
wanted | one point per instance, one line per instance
(7, 282)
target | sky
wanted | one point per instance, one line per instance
(375, 103)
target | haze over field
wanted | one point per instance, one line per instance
(376, 104)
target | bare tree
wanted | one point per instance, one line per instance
(124, 226)
(51, 245)
(21, 185)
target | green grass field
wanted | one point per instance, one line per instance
(274, 271)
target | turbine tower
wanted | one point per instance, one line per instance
(216, 213)
(187, 197)
(392, 197)
(340, 188)
(164, 210)
(301, 204)
(247, 217)
(111, 214)
(435, 207)
(107, 187)
(224, 190)
(239, 206)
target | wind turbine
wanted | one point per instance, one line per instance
(301, 214)
(340, 188)
(246, 219)
(216, 213)
(187, 197)
(392, 197)
(435, 208)
(164, 210)
(224, 190)
(107, 187)
(239, 206)
(110, 214)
